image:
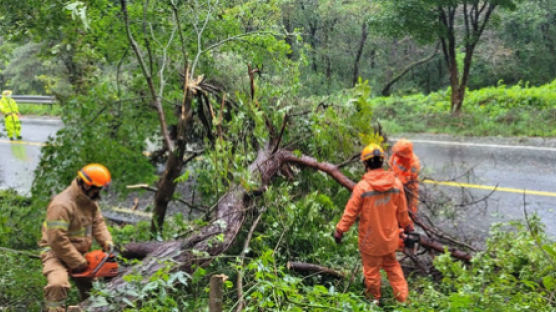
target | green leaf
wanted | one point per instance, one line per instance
(549, 282)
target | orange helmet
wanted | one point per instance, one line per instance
(372, 150)
(403, 148)
(95, 174)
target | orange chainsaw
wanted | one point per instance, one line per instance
(101, 264)
(408, 240)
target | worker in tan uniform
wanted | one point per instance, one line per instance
(73, 219)
(378, 200)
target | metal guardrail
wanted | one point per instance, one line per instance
(35, 99)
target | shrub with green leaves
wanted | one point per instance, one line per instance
(519, 110)
(20, 222)
(21, 282)
(516, 272)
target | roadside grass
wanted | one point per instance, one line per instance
(501, 110)
(39, 109)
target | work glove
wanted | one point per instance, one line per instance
(338, 236)
(408, 229)
(109, 247)
(81, 268)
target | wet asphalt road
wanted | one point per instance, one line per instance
(511, 163)
(18, 159)
(485, 161)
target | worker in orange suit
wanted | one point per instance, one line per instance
(406, 166)
(379, 202)
(73, 219)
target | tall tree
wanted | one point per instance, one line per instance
(173, 43)
(431, 20)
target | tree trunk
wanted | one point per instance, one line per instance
(174, 165)
(388, 86)
(286, 21)
(364, 35)
(313, 40)
(464, 79)
(166, 187)
(455, 99)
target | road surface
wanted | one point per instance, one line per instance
(18, 159)
(513, 165)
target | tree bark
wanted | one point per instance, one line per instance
(314, 268)
(174, 164)
(216, 296)
(364, 35)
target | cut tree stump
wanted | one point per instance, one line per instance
(216, 296)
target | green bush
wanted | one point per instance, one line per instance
(507, 111)
(516, 272)
(39, 109)
(21, 282)
(20, 222)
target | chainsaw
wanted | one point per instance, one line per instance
(408, 240)
(101, 264)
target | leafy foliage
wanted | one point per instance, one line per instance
(514, 273)
(106, 136)
(39, 109)
(502, 110)
(21, 282)
(19, 221)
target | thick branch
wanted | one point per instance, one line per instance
(155, 99)
(314, 268)
(386, 89)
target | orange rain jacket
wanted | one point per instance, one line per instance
(72, 220)
(406, 166)
(379, 202)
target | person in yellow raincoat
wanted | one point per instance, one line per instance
(8, 107)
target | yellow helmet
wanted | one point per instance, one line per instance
(372, 150)
(95, 174)
(7, 92)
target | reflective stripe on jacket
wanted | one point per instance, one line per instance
(379, 202)
(72, 221)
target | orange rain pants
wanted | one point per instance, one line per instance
(389, 263)
(378, 200)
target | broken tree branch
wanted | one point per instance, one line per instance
(240, 303)
(314, 268)
(154, 189)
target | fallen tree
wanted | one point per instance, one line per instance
(199, 248)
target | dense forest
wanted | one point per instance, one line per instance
(239, 125)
